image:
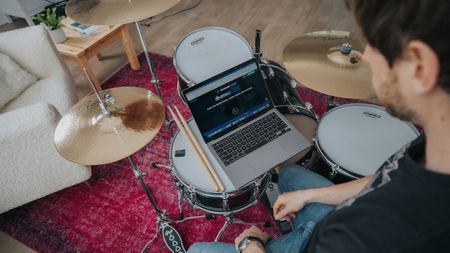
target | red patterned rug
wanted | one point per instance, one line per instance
(114, 214)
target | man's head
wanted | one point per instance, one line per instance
(408, 51)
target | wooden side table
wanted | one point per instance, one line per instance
(81, 48)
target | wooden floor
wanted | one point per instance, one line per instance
(280, 20)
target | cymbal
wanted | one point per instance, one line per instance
(316, 61)
(86, 136)
(113, 12)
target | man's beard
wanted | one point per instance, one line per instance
(390, 97)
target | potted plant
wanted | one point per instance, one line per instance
(53, 23)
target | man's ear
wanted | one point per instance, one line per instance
(426, 66)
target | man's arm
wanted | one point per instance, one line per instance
(290, 203)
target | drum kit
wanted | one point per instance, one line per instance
(352, 140)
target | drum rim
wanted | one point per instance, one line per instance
(309, 114)
(202, 191)
(188, 82)
(333, 165)
(265, 182)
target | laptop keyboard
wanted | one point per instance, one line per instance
(250, 138)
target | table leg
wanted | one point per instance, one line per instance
(129, 49)
(83, 62)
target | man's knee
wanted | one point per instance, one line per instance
(295, 177)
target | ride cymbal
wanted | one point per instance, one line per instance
(87, 136)
(323, 61)
(113, 12)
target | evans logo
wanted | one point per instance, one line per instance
(197, 41)
(372, 115)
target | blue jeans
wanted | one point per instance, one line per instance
(291, 178)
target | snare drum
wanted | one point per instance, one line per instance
(354, 140)
(206, 52)
(193, 182)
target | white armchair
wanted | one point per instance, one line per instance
(31, 168)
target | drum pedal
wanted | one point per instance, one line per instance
(272, 193)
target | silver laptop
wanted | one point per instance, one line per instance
(239, 124)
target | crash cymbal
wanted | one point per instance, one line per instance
(112, 12)
(86, 136)
(319, 61)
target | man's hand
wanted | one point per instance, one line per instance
(254, 247)
(289, 203)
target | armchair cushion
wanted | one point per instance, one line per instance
(13, 80)
(55, 90)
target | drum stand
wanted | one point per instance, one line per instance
(171, 237)
(230, 220)
(229, 217)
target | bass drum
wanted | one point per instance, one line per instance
(287, 100)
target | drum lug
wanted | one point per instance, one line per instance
(334, 171)
(293, 84)
(226, 206)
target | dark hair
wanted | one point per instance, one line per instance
(388, 25)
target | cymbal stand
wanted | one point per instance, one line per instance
(171, 237)
(155, 81)
(101, 103)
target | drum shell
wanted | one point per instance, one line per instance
(281, 86)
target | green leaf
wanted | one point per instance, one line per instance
(50, 19)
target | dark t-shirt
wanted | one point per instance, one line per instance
(405, 208)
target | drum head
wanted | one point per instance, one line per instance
(189, 170)
(361, 137)
(209, 51)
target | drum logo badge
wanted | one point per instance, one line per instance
(372, 115)
(198, 41)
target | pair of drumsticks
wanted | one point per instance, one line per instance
(195, 146)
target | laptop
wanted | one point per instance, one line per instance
(239, 124)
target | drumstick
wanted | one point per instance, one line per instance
(199, 148)
(183, 131)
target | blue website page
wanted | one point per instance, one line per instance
(226, 106)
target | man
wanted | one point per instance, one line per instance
(405, 206)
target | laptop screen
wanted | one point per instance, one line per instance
(228, 100)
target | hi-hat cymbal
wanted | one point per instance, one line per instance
(86, 136)
(318, 61)
(113, 12)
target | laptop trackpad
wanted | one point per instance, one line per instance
(266, 157)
